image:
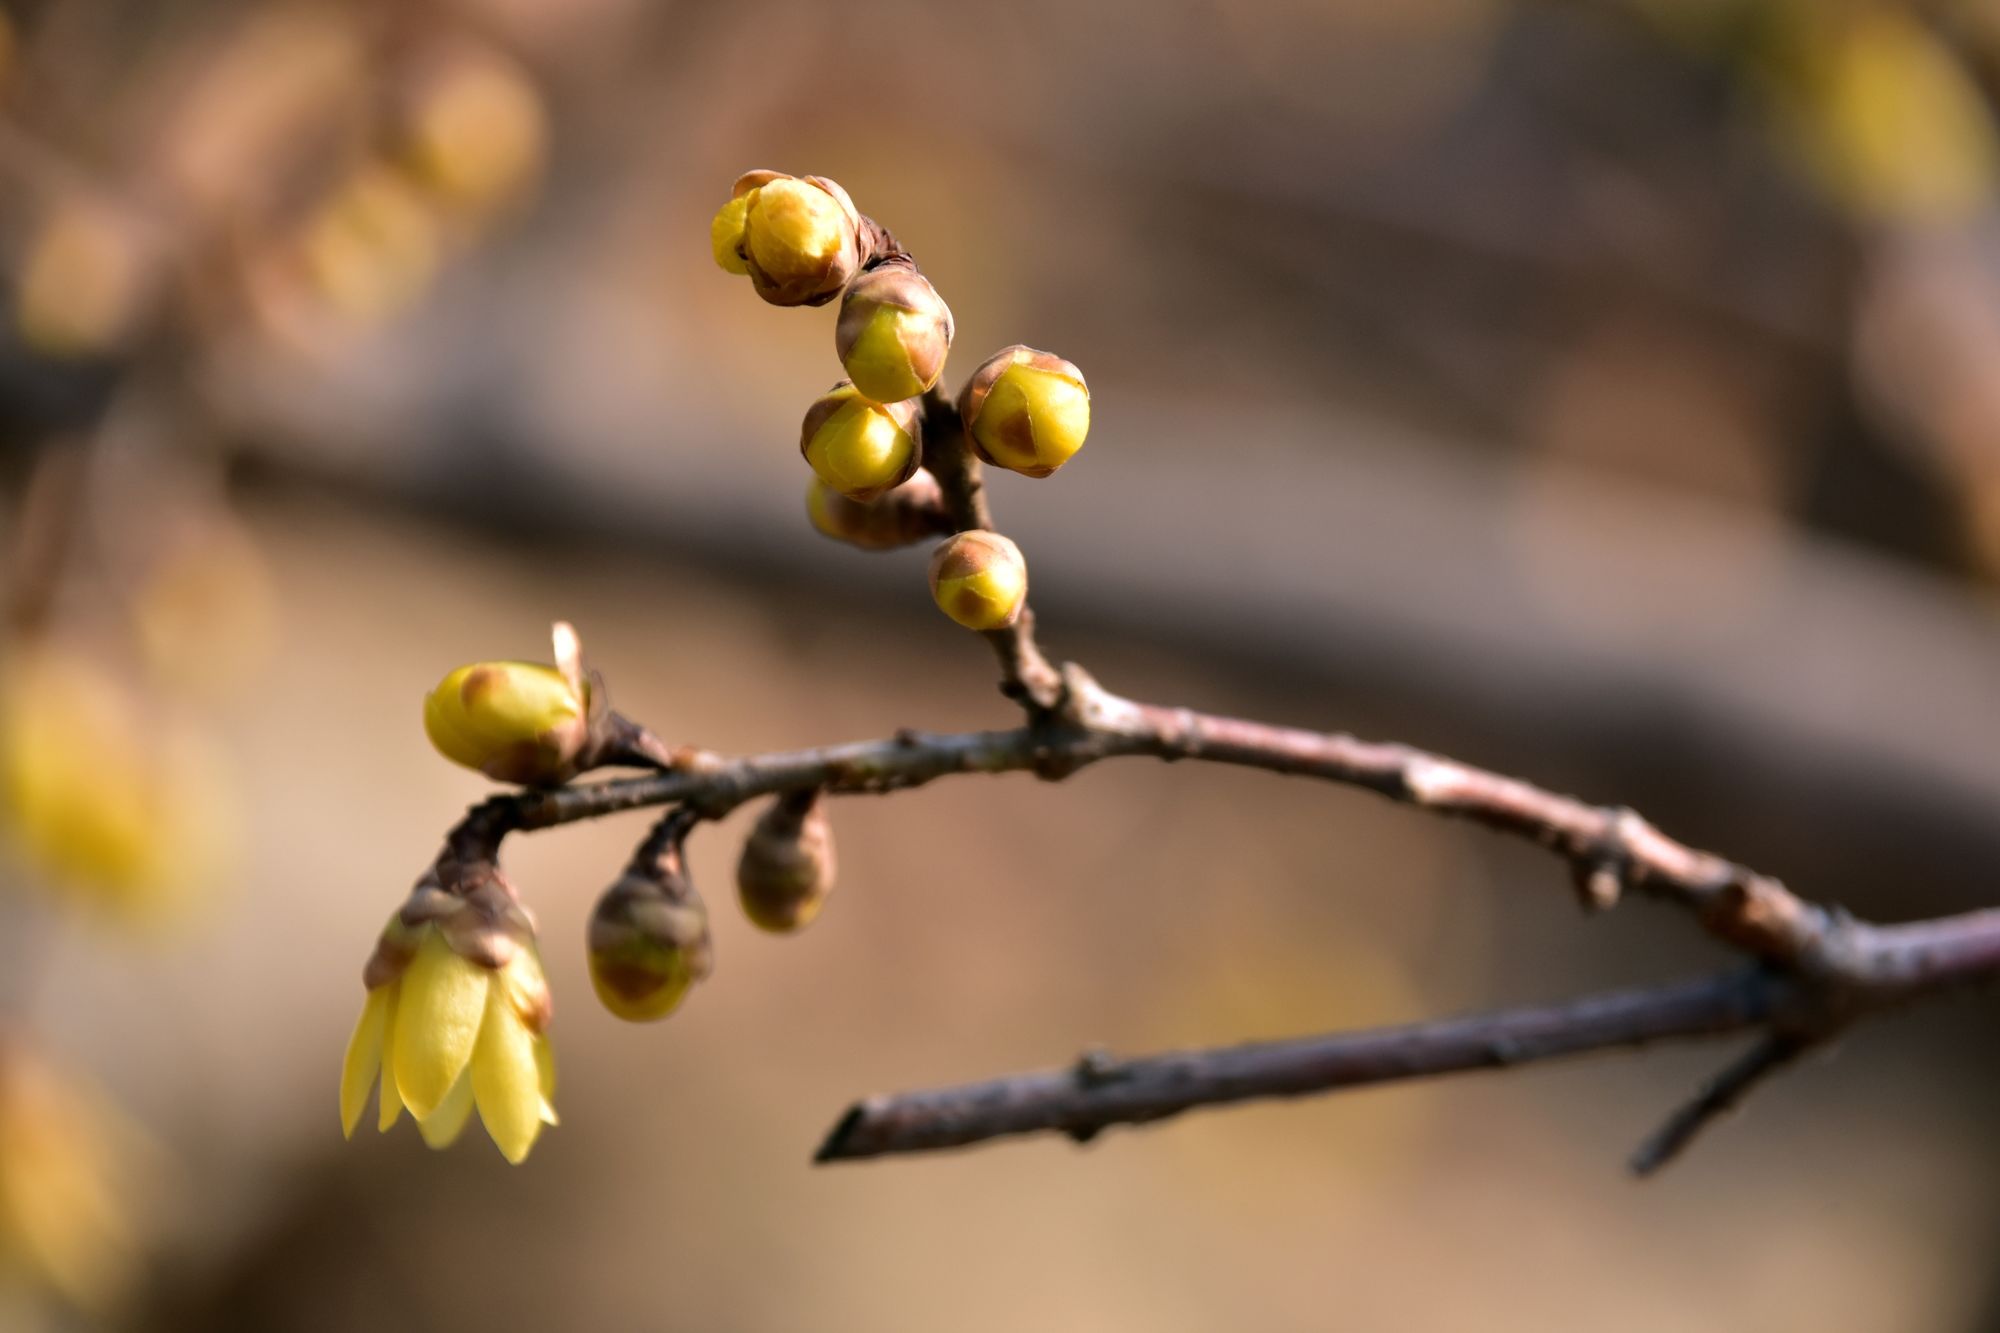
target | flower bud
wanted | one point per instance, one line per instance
(859, 447)
(725, 235)
(902, 517)
(801, 239)
(894, 332)
(649, 943)
(514, 721)
(979, 579)
(1026, 411)
(787, 868)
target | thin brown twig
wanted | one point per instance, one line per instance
(1772, 1054)
(1026, 676)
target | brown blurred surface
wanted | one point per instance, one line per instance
(1488, 376)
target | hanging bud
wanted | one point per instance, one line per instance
(787, 868)
(894, 332)
(979, 579)
(902, 517)
(800, 240)
(515, 721)
(859, 447)
(1026, 411)
(649, 939)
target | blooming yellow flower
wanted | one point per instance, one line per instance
(456, 1017)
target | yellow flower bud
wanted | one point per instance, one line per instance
(1026, 411)
(514, 721)
(894, 332)
(725, 235)
(787, 868)
(905, 515)
(455, 1020)
(859, 447)
(979, 579)
(801, 238)
(649, 944)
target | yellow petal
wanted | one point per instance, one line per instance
(507, 1080)
(442, 1127)
(391, 1102)
(545, 1065)
(364, 1059)
(437, 1021)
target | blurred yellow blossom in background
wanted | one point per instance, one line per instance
(119, 806)
(73, 1172)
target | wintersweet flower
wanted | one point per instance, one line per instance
(456, 1019)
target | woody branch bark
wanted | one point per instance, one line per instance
(1817, 971)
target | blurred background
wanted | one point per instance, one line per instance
(1605, 391)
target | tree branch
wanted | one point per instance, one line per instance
(1797, 1011)
(1098, 1092)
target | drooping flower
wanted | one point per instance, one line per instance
(456, 1019)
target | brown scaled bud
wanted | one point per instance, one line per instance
(860, 447)
(904, 516)
(649, 942)
(801, 237)
(894, 332)
(1026, 411)
(787, 868)
(979, 579)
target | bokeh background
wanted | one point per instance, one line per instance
(1604, 391)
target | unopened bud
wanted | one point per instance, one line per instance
(725, 235)
(979, 579)
(860, 447)
(801, 237)
(902, 517)
(648, 944)
(514, 721)
(1026, 411)
(787, 868)
(894, 332)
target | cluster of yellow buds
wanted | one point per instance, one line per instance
(801, 241)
